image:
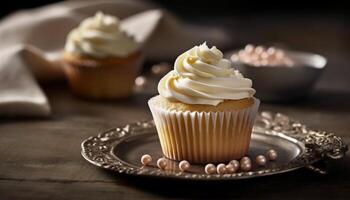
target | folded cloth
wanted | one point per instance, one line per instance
(20, 93)
(32, 42)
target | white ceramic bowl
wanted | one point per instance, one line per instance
(281, 83)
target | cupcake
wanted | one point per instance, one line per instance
(205, 111)
(101, 60)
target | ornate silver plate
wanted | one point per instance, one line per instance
(120, 149)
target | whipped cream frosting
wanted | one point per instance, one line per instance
(202, 76)
(100, 36)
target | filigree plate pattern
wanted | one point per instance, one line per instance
(318, 145)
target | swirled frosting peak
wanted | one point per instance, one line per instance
(202, 76)
(100, 36)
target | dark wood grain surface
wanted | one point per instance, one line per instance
(40, 158)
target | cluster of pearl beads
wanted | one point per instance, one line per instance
(163, 162)
(233, 166)
(261, 56)
(245, 164)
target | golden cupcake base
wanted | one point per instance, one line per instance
(106, 78)
(204, 137)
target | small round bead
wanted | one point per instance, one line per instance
(210, 169)
(271, 154)
(249, 48)
(271, 51)
(230, 169)
(264, 55)
(246, 60)
(140, 81)
(146, 159)
(246, 166)
(259, 49)
(241, 53)
(235, 164)
(184, 165)
(162, 163)
(235, 58)
(221, 168)
(260, 160)
(245, 160)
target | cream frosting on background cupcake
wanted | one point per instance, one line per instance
(206, 110)
(101, 60)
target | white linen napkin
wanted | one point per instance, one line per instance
(32, 42)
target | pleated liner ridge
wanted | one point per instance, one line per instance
(204, 137)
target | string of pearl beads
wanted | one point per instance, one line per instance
(245, 163)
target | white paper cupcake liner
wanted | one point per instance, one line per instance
(204, 137)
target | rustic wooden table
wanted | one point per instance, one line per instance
(40, 158)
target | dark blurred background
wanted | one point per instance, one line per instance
(299, 24)
(196, 8)
(317, 26)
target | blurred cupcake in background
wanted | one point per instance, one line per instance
(101, 60)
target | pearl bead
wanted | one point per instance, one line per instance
(210, 169)
(184, 165)
(221, 168)
(230, 169)
(245, 160)
(235, 164)
(235, 58)
(246, 166)
(249, 48)
(259, 49)
(241, 53)
(256, 63)
(271, 154)
(260, 160)
(140, 81)
(264, 55)
(271, 51)
(162, 163)
(146, 159)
